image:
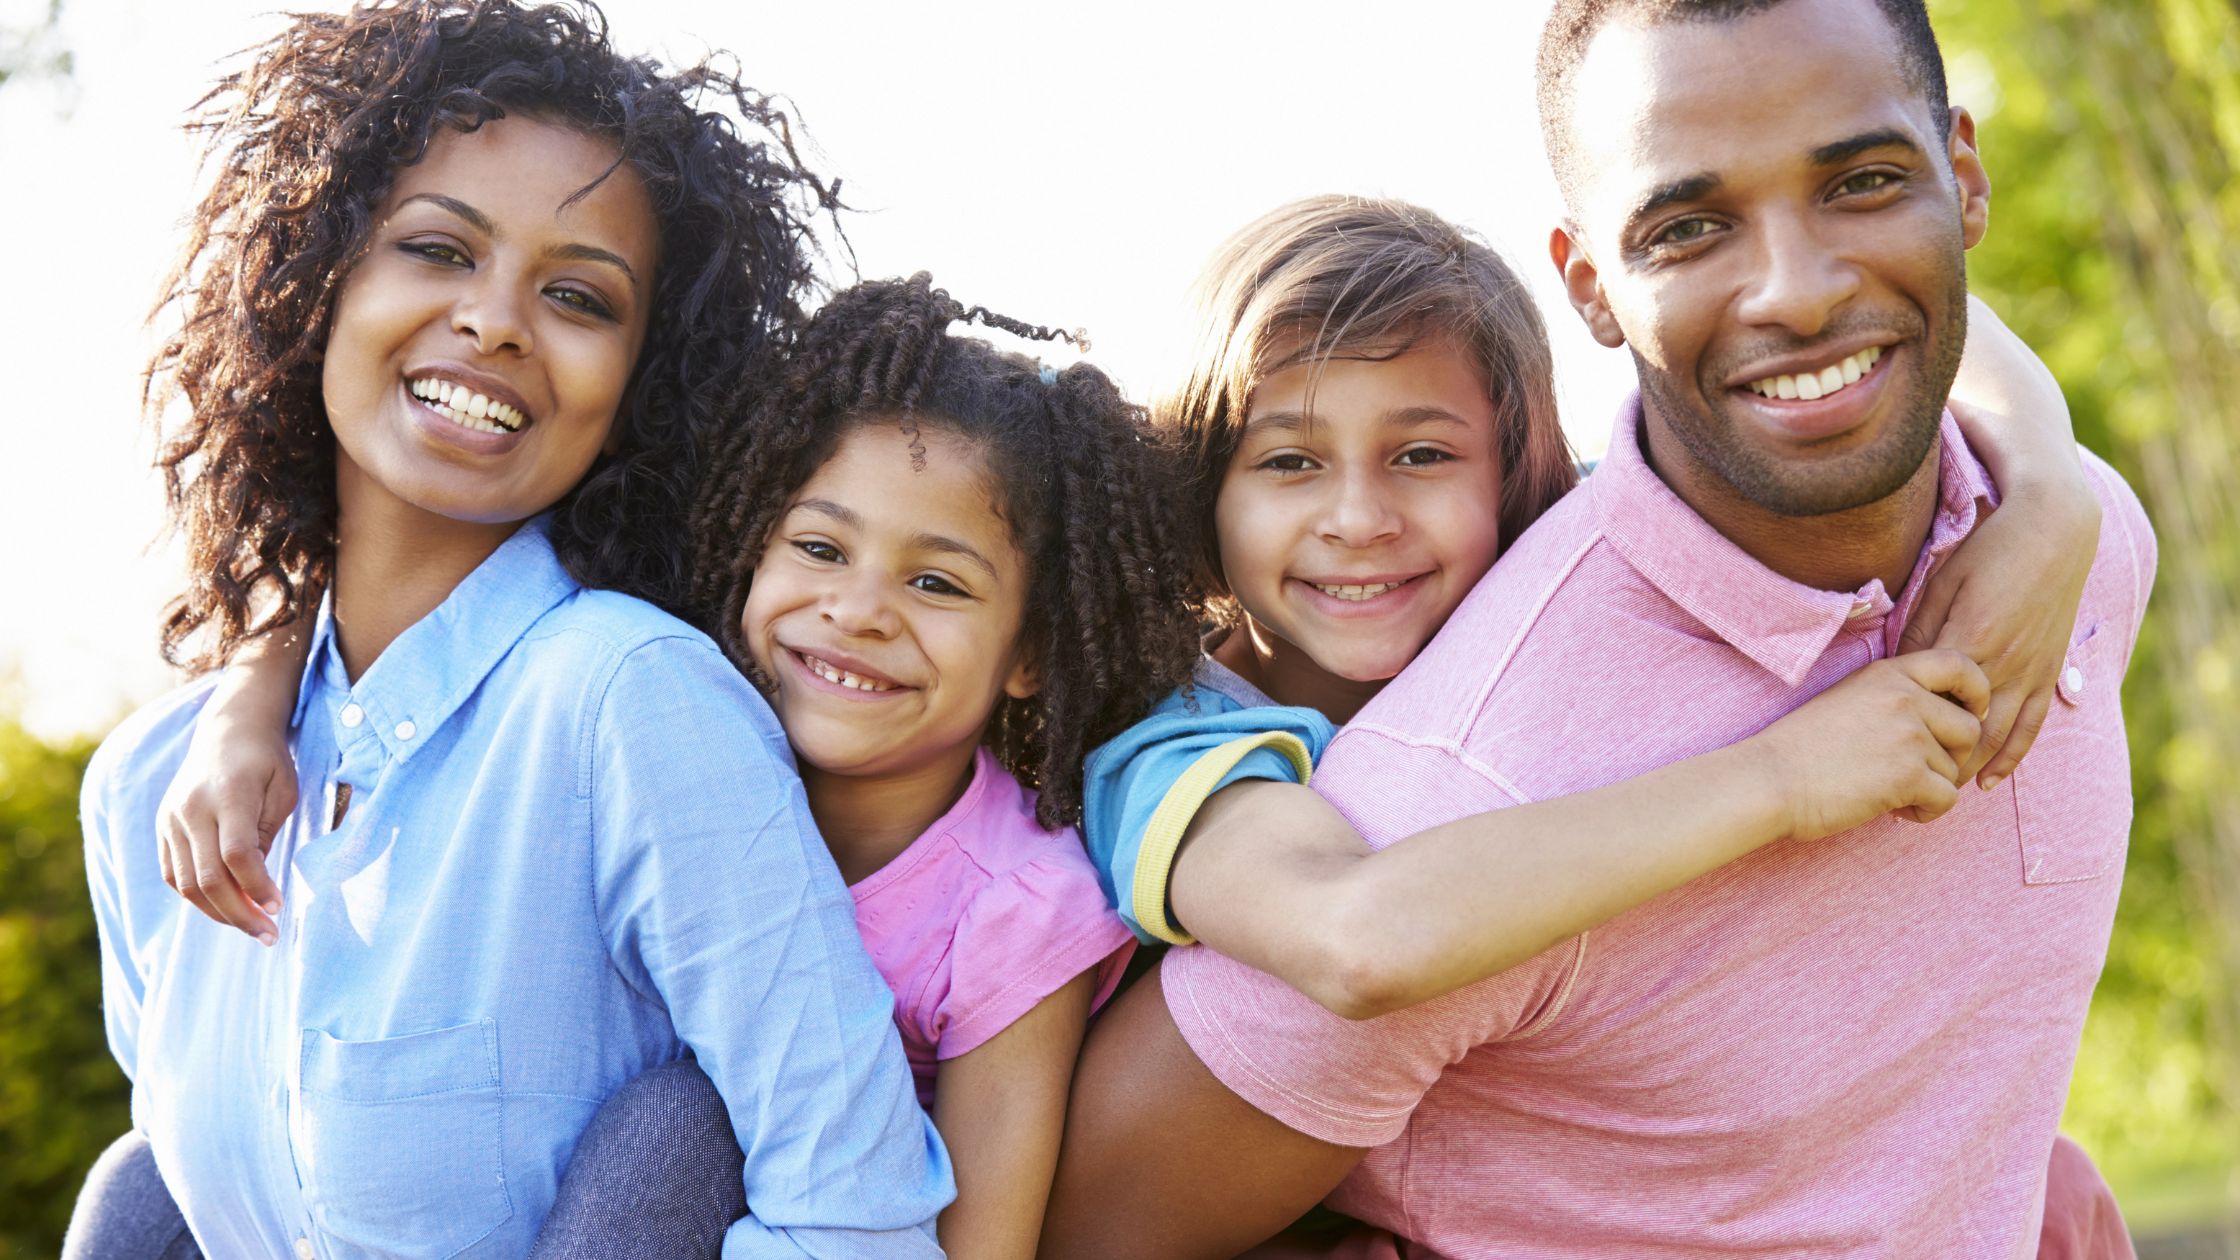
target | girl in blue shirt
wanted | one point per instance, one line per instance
(466, 292)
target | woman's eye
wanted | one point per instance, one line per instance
(583, 300)
(817, 549)
(438, 251)
(935, 584)
(1423, 457)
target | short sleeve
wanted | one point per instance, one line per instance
(1356, 1082)
(1025, 935)
(1143, 788)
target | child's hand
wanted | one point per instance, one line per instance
(1888, 738)
(217, 820)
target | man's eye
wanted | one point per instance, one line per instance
(1685, 232)
(1864, 182)
(817, 549)
(935, 584)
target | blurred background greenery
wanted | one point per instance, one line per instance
(2112, 130)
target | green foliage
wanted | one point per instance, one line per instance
(61, 1096)
(2112, 130)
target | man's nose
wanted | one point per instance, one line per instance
(1801, 280)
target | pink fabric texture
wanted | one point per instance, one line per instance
(1853, 1047)
(981, 918)
(2082, 1220)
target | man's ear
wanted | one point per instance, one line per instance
(1583, 285)
(1974, 181)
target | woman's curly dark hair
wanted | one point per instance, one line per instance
(307, 139)
(1109, 625)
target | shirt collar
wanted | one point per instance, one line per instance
(1783, 625)
(429, 671)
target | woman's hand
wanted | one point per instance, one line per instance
(1890, 738)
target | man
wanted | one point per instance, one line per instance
(1853, 1048)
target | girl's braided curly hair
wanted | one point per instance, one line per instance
(1109, 625)
(306, 141)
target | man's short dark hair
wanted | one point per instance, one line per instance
(1573, 24)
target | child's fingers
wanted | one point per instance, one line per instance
(1998, 727)
(1945, 672)
(2033, 719)
(226, 851)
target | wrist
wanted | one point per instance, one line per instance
(1758, 784)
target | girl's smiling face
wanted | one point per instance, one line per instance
(481, 345)
(1348, 534)
(886, 609)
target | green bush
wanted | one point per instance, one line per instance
(61, 1096)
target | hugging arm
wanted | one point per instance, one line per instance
(1273, 876)
(236, 786)
(2008, 596)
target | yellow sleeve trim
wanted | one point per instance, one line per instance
(1162, 836)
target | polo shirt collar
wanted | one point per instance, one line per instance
(423, 677)
(1782, 625)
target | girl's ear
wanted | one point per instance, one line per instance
(1023, 681)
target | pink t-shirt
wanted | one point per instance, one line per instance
(981, 918)
(1853, 1047)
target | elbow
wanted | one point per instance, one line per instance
(1362, 988)
(1360, 974)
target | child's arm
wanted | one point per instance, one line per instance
(236, 786)
(1001, 1109)
(2008, 597)
(1271, 874)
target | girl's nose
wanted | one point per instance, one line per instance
(1358, 512)
(857, 603)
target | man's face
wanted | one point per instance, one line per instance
(1768, 215)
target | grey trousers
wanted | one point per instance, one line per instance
(656, 1176)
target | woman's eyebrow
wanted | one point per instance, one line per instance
(481, 223)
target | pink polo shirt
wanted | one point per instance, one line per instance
(1852, 1047)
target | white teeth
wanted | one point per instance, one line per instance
(834, 674)
(1820, 384)
(466, 407)
(1358, 593)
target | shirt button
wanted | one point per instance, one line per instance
(303, 1249)
(352, 715)
(2072, 678)
(406, 730)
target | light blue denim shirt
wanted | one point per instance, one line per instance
(573, 847)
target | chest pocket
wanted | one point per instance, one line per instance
(400, 1142)
(2073, 792)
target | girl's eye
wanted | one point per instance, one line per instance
(583, 300)
(818, 549)
(935, 584)
(438, 251)
(1423, 457)
(1289, 461)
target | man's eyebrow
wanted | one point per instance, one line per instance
(951, 546)
(482, 224)
(1842, 151)
(1691, 188)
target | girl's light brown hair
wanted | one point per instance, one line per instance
(1361, 277)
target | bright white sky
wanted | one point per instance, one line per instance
(1068, 165)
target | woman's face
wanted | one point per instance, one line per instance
(1349, 533)
(886, 608)
(481, 345)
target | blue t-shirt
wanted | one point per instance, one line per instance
(1145, 786)
(548, 840)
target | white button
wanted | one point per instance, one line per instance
(2073, 679)
(303, 1248)
(352, 715)
(406, 730)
